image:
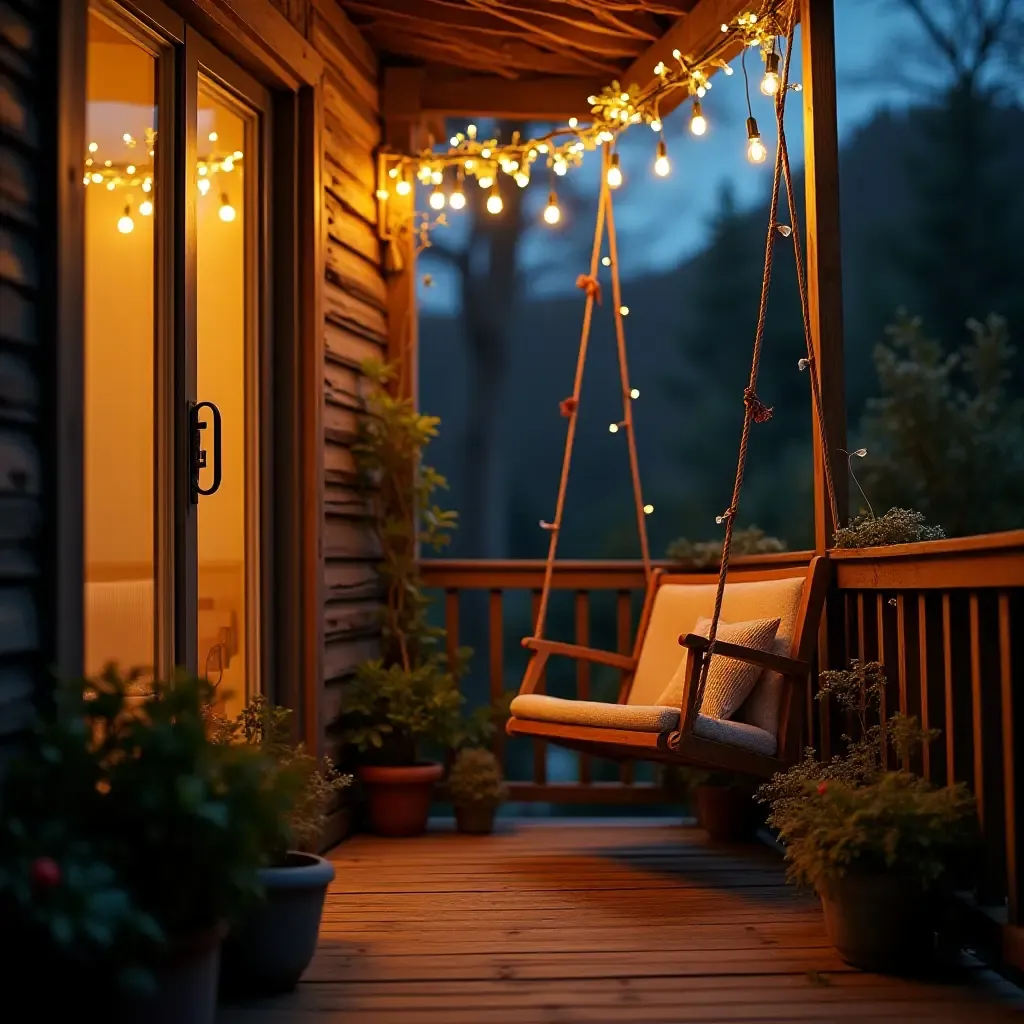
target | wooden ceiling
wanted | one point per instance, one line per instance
(518, 39)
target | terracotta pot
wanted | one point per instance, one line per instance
(881, 922)
(267, 951)
(399, 798)
(475, 819)
(725, 813)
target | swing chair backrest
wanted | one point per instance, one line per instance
(674, 604)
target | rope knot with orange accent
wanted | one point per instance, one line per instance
(589, 284)
(567, 406)
(759, 412)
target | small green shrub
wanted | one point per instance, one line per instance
(477, 778)
(751, 540)
(897, 526)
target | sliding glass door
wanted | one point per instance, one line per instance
(175, 224)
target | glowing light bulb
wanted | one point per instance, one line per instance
(382, 193)
(146, 207)
(237, 155)
(454, 140)
(213, 136)
(147, 185)
(755, 147)
(130, 169)
(634, 393)
(560, 167)
(485, 153)
(93, 147)
(471, 131)
(656, 125)
(227, 164)
(436, 177)
(204, 187)
(437, 198)
(542, 147)
(202, 170)
(486, 181)
(661, 164)
(606, 260)
(494, 203)
(606, 136)
(648, 509)
(97, 177)
(457, 200)
(552, 213)
(226, 211)
(110, 186)
(403, 187)
(698, 124)
(423, 173)
(613, 428)
(770, 82)
(393, 172)
(126, 225)
(614, 176)
(522, 179)
(126, 137)
(573, 122)
(623, 310)
(86, 180)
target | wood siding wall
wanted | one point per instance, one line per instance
(27, 79)
(355, 328)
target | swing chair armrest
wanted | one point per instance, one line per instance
(547, 648)
(789, 667)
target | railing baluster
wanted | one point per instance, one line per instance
(922, 669)
(860, 627)
(624, 644)
(583, 669)
(947, 670)
(540, 748)
(496, 650)
(451, 625)
(824, 745)
(1014, 867)
(901, 664)
(976, 709)
(883, 703)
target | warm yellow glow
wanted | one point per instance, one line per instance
(560, 167)
(648, 509)
(770, 82)
(436, 177)
(147, 185)
(97, 177)
(756, 152)
(486, 181)
(126, 137)
(227, 164)
(404, 187)
(623, 310)
(86, 180)
(382, 193)
(634, 393)
(613, 428)
(606, 260)
(458, 198)
(661, 163)
(226, 211)
(212, 136)
(126, 225)
(552, 213)
(145, 207)
(393, 172)
(202, 170)
(656, 125)
(573, 122)
(130, 169)
(237, 155)
(522, 179)
(614, 176)
(437, 199)
(698, 125)
(485, 153)
(93, 147)
(204, 187)
(110, 186)
(494, 203)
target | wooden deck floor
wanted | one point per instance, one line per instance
(590, 923)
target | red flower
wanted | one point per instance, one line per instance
(822, 788)
(45, 872)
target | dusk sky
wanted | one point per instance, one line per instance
(661, 221)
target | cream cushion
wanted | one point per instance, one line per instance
(729, 681)
(678, 606)
(539, 707)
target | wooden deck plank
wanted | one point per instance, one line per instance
(591, 922)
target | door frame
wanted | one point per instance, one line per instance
(257, 37)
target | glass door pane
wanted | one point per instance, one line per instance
(226, 232)
(119, 178)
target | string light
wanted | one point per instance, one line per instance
(437, 198)
(698, 123)
(770, 82)
(486, 181)
(559, 166)
(494, 202)
(606, 261)
(613, 428)
(623, 310)
(756, 152)
(226, 211)
(648, 509)
(656, 125)
(522, 179)
(614, 176)
(552, 213)
(204, 187)
(126, 225)
(403, 186)
(634, 393)
(661, 164)
(145, 207)
(457, 200)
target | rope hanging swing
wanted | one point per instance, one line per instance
(755, 411)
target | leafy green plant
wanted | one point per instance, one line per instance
(409, 696)
(851, 812)
(125, 825)
(477, 778)
(897, 526)
(311, 783)
(750, 540)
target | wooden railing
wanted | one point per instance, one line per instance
(946, 618)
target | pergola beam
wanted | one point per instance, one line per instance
(693, 36)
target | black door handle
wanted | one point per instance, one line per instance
(198, 455)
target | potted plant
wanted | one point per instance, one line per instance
(129, 838)
(722, 803)
(880, 847)
(268, 949)
(402, 703)
(477, 789)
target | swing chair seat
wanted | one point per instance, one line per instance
(653, 720)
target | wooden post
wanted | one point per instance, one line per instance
(824, 264)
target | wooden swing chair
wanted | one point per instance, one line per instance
(750, 720)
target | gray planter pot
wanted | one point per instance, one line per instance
(267, 952)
